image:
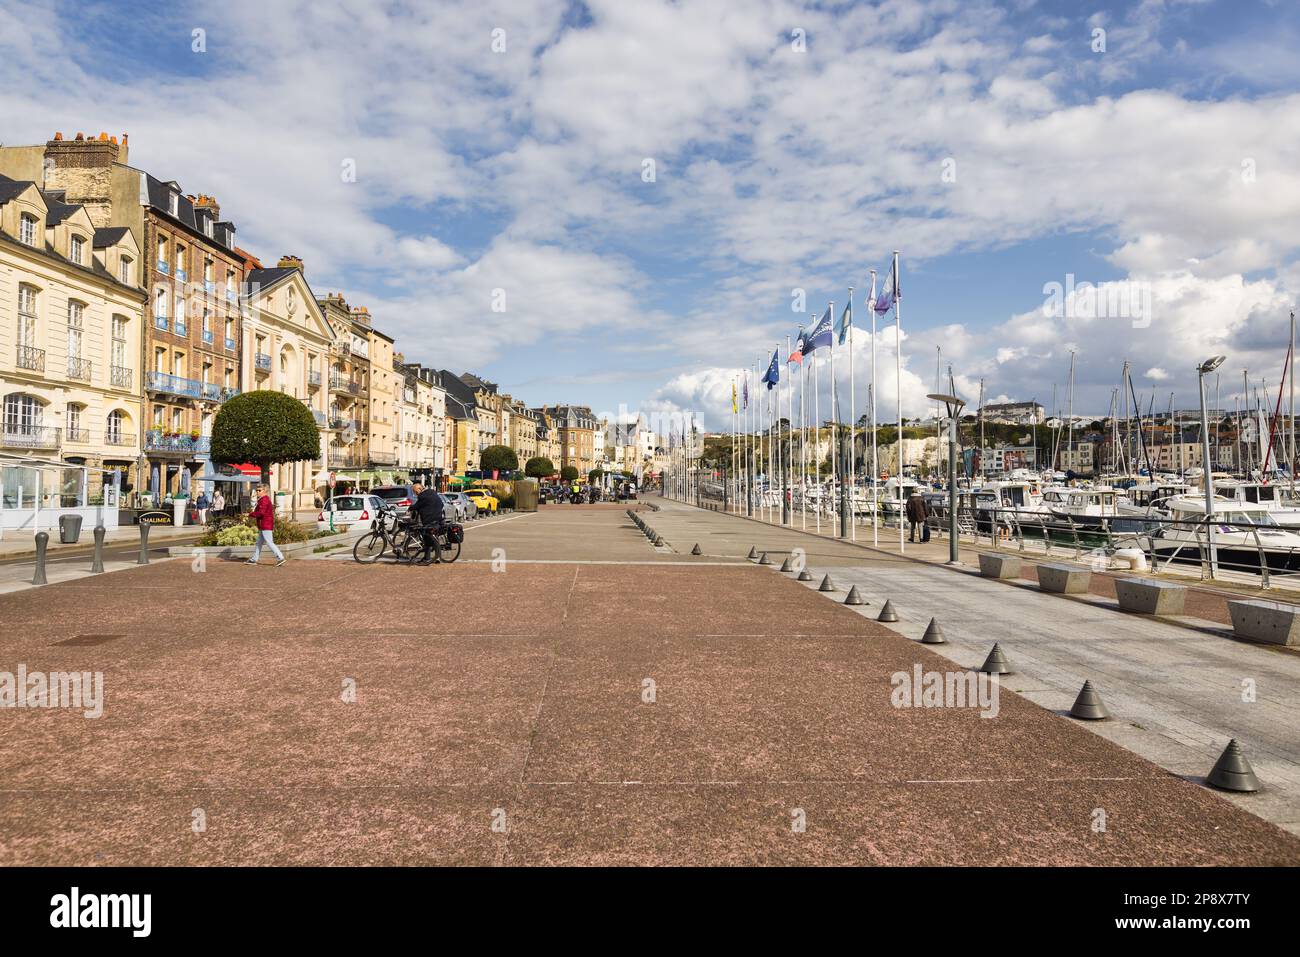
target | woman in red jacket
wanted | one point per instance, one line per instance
(264, 514)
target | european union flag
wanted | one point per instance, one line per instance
(773, 374)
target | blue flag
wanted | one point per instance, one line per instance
(773, 374)
(846, 320)
(821, 334)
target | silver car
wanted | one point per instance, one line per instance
(452, 507)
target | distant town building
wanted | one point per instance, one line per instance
(1014, 413)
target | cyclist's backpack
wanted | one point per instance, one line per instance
(455, 533)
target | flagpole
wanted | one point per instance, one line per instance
(853, 449)
(898, 387)
(875, 461)
(788, 485)
(803, 443)
(835, 430)
(817, 435)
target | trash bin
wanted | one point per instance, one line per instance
(178, 510)
(526, 496)
(69, 529)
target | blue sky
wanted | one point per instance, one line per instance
(1165, 159)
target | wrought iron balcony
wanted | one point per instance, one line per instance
(182, 275)
(181, 329)
(119, 438)
(313, 380)
(321, 419)
(230, 344)
(213, 392)
(120, 377)
(383, 458)
(230, 294)
(20, 435)
(31, 359)
(344, 460)
(209, 286)
(161, 322)
(262, 361)
(159, 440)
(208, 336)
(164, 267)
(77, 435)
(78, 369)
(340, 383)
(175, 385)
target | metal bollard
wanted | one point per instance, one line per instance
(97, 564)
(144, 545)
(42, 540)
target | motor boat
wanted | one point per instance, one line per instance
(1242, 532)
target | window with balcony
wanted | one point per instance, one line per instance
(75, 432)
(180, 313)
(115, 428)
(78, 368)
(24, 423)
(181, 274)
(160, 307)
(77, 250)
(29, 356)
(163, 265)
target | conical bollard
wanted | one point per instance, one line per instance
(996, 663)
(1088, 706)
(659, 540)
(805, 575)
(697, 550)
(765, 560)
(853, 598)
(753, 553)
(933, 634)
(826, 584)
(1232, 772)
(887, 612)
(787, 565)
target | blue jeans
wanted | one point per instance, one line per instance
(264, 535)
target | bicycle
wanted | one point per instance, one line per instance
(368, 549)
(409, 545)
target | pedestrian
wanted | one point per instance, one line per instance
(263, 514)
(201, 505)
(428, 511)
(218, 503)
(917, 513)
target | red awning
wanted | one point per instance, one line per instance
(248, 469)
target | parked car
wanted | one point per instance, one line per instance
(454, 509)
(344, 511)
(401, 497)
(483, 499)
(470, 509)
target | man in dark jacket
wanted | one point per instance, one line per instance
(428, 511)
(917, 513)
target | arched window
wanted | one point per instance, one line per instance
(24, 416)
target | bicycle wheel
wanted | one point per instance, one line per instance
(450, 550)
(407, 547)
(369, 548)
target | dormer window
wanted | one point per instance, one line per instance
(124, 270)
(207, 225)
(27, 230)
(77, 250)
(174, 204)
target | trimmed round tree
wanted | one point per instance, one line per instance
(539, 466)
(595, 475)
(264, 428)
(500, 458)
(569, 473)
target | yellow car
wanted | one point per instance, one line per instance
(484, 499)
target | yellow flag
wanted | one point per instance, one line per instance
(733, 396)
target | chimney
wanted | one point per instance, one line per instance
(209, 202)
(83, 169)
(290, 262)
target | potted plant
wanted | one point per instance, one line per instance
(194, 435)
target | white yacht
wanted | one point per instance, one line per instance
(1242, 532)
(1272, 496)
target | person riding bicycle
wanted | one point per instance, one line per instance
(428, 511)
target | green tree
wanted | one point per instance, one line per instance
(595, 475)
(264, 428)
(502, 458)
(569, 473)
(539, 466)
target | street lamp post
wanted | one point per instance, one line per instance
(1204, 369)
(954, 406)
